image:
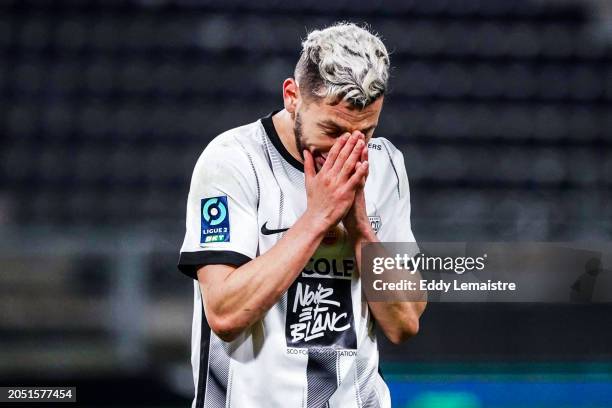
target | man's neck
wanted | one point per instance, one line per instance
(284, 127)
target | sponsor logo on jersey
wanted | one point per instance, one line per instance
(375, 146)
(329, 268)
(375, 222)
(319, 302)
(215, 225)
(320, 314)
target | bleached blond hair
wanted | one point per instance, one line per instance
(343, 62)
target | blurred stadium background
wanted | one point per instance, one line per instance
(502, 110)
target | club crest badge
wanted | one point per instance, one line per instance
(375, 222)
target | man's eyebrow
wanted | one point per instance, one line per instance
(330, 124)
(366, 130)
(333, 125)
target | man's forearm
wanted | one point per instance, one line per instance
(398, 320)
(249, 291)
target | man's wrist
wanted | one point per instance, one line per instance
(315, 224)
(365, 233)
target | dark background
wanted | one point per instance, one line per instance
(502, 111)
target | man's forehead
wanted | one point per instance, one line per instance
(347, 116)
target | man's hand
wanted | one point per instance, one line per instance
(399, 320)
(356, 220)
(331, 191)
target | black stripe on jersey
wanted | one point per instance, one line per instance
(190, 262)
(278, 144)
(321, 376)
(203, 370)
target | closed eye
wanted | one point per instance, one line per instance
(332, 133)
(336, 132)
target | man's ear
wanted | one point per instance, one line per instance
(291, 95)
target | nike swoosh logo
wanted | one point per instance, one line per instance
(266, 231)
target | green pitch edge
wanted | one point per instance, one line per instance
(499, 371)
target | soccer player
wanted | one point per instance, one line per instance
(276, 213)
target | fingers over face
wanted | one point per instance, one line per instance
(353, 159)
(358, 177)
(309, 168)
(334, 151)
(344, 154)
(364, 158)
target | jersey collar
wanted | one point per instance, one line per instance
(268, 125)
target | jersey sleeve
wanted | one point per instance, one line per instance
(397, 227)
(221, 220)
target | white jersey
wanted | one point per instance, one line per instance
(316, 346)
